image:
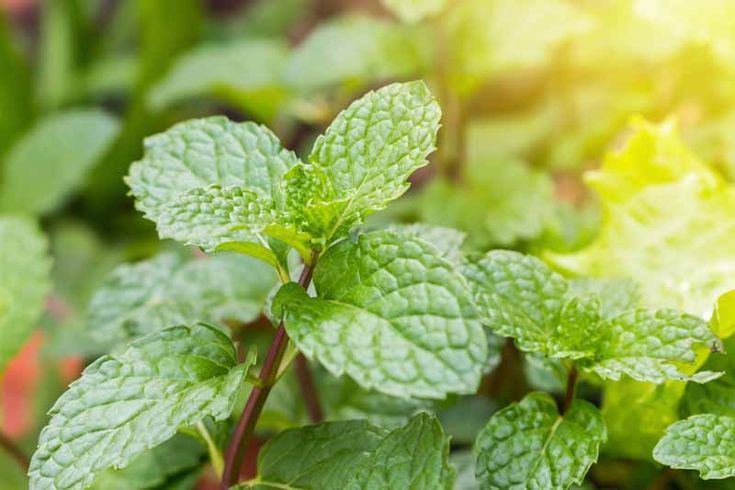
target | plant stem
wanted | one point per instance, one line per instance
(308, 389)
(259, 394)
(571, 386)
(14, 451)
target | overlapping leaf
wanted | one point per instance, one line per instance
(702, 442)
(168, 290)
(355, 455)
(127, 403)
(392, 314)
(24, 282)
(530, 445)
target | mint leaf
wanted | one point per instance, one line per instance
(577, 334)
(127, 403)
(210, 181)
(413, 456)
(447, 241)
(140, 298)
(392, 314)
(615, 295)
(317, 456)
(24, 282)
(529, 445)
(218, 70)
(355, 455)
(651, 345)
(363, 160)
(705, 443)
(518, 295)
(61, 149)
(355, 50)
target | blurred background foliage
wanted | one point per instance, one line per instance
(534, 94)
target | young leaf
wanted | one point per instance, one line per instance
(519, 296)
(355, 455)
(530, 445)
(140, 298)
(415, 10)
(317, 456)
(705, 443)
(51, 160)
(649, 345)
(127, 403)
(392, 314)
(363, 160)
(394, 463)
(210, 181)
(24, 282)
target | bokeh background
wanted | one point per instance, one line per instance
(534, 94)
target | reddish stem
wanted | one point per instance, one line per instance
(571, 385)
(308, 389)
(259, 394)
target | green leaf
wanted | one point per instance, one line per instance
(317, 456)
(24, 282)
(519, 296)
(240, 72)
(705, 443)
(392, 314)
(210, 181)
(447, 241)
(718, 396)
(394, 462)
(363, 160)
(127, 403)
(415, 10)
(651, 345)
(529, 445)
(355, 455)
(615, 295)
(53, 159)
(140, 298)
(354, 50)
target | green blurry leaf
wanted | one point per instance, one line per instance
(519, 296)
(723, 318)
(363, 160)
(717, 396)
(529, 445)
(616, 295)
(355, 455)
(657, 200)
(500, 202)
(414, 10)
(650, 345)
(162, 467)
(415, 455)
(124, 404)
(24, 282)
(317, 456)
(702, 442)
(355, 50)
(140, 298)
(447, 241)
(392, 314)
(242, 72)
(15, 93)
(53, 159)
(210, 181)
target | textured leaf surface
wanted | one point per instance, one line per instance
(210, 181)
(140, 298)
(393, 315)
(127, 403)
(702, 442)
(529, 445)
(413, 456)
(53, 159)
(354, 49)
(319, 456)
(650, 345)
(447, 241)
(519, 296)
(356, 455)
(24, 282)
(363, 160)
